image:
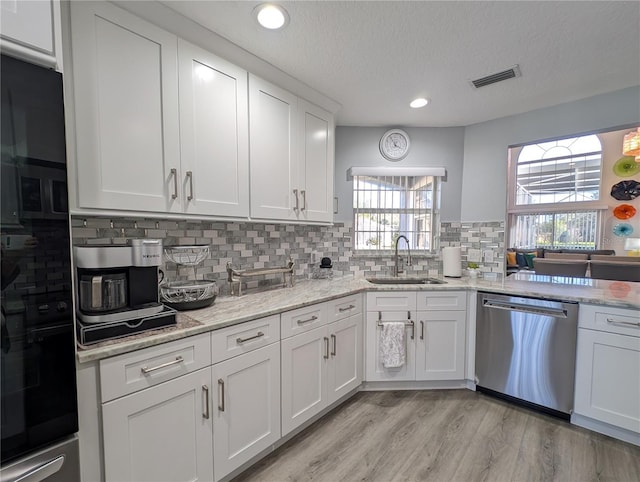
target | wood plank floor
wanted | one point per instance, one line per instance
(444, 435)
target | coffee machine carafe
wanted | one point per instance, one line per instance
(118, 289)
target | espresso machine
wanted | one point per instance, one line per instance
(117, 288)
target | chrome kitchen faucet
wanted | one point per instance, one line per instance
(398, 266)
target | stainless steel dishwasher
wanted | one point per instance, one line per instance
(526, 351)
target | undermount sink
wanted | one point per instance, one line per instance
(406, 281)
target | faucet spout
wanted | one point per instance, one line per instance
(398, 266)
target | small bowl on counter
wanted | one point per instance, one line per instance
(188, 294)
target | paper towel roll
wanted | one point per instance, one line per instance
(451, 262)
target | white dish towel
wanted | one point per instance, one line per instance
(392, 344)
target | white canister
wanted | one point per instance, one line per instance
(451, 262)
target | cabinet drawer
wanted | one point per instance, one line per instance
(344, 307)
(235, 340)
(612, 320)
(442, 300)
(144, 368)
(303, 319)
(391, 301)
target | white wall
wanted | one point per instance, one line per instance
(484, 180)
(430, 146)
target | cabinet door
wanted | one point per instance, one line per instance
(316, 162)
(345, 362)
(304, 366)
(608, 378)
(126, 104)
(247, 407)
(274, 173)
(26, 30)
(440, 345)
(214, 130)
(375, 371)
(163, 433)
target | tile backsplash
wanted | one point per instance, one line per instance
(250, 245)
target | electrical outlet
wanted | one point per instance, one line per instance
(474, 255)
(488, 256)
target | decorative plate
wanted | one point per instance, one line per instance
(625, 190)
(623, 230)
(624, 211)
(626, 166)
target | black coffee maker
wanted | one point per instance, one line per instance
(118, 289)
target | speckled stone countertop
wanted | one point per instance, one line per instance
(231, 310)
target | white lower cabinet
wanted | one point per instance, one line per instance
(608, 367)
(376, 371)
(435, 334)
(246, 407)
(345, 357)
(319, 367)
(440, 345)
(162, 433)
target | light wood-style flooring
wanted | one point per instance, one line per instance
(444, 435)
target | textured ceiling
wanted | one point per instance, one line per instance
(375, 57)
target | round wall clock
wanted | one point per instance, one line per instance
(394, 144)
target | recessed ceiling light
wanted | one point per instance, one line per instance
(271, 16)
(419, 102)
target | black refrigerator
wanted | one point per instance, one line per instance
(38, 410)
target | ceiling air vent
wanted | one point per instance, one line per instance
(497, 77)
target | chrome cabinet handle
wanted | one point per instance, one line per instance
(190, 178)
(147, 370)
(413, 325)
(174, 173)
(221, 394)
(304, 199)
(326, 348)
(350, 307)
(205, 390)
(333, 350)
(242, 340)
(626, 323)
(296, 207)
(302, 322)
(421, 330)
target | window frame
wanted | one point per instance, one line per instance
(437, 174)
(514, 209)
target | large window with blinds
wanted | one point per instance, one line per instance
(554, 189)
(387, 206)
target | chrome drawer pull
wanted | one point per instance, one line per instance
(334, 340)
(301, 322)
(190, 177)
(350, 307)
(146, 370)
(205, 390)
(421, 330)
(242, 340)
(221, 395)
(326, 348)
(296, 207)
(303, 193)
(174, 173)
(627, 323)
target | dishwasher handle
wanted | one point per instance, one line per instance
(524, 308)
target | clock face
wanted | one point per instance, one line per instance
(394, 144)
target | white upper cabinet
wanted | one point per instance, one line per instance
(214, 143)
(292, 155)
(316, 153)
(274, 174)
(30, 30)
(126, 103)
(164, 126)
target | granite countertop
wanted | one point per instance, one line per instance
(231, 310)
